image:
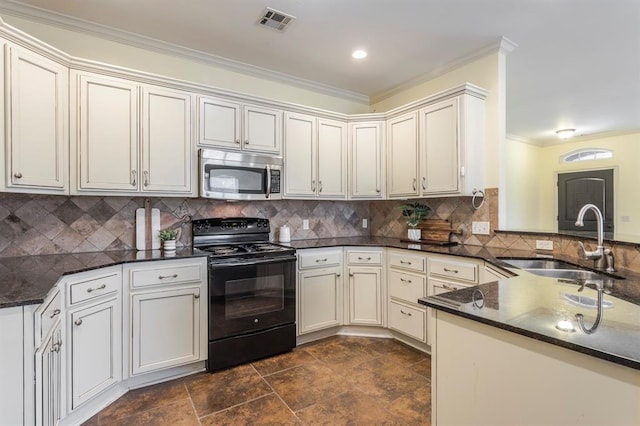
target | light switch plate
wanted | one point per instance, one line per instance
(365, 223)
(480, 228)
(544, 245)
(305, 224)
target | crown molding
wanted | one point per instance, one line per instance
(66, 22)
(500, 46)
(522, 139)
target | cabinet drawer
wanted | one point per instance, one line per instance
(84, 290)
(408, 261)
(49, 316)
(165, 275)
(364, 258)
(320, 259)
(407, 287)
(464, 271)
(409, 321)
(438, 287)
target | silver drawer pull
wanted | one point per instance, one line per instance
(17, 175)
(56, 347)
(405, 313)
(196, 296)
(338, 275)
(162, 277)
(405, 281)
(78, 321)
(448, 287)
(54, 313)
(102, 287)
(405, 262)
(364, 258)
(321, 260)
(455, 271)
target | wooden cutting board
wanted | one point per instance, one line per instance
(436, 229)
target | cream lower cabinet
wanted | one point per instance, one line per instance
(48, 360)
(320, 289)
(130, 138)
(406, 272)
(364, 292)
(93, 345)
(36, 92)
(167, 317)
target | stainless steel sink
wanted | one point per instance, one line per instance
(559, 269)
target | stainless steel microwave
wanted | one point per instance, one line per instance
(226, 175)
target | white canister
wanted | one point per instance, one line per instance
(285, 234)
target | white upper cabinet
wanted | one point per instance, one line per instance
(402, 156)
(120, 150)
(366, 161)
(36, 105)
(452, 146)
(440, 148)
(167, 153)
(233, 125)
(315, 157)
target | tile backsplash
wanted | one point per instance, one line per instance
(48, 224)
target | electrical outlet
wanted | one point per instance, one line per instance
(365, 223)
(305, 224)
(480, 228)
(544, 245)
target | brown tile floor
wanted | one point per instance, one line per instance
(340, 380)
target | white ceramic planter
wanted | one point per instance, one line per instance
(414, 234)
(169, 247)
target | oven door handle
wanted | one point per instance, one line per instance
(248, 262)
(268, 182)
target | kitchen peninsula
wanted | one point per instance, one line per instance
(509, 351)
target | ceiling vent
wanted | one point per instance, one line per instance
(275, 20)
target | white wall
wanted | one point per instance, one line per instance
(522, 185)
(85, 46)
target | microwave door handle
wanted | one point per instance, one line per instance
(268, 182)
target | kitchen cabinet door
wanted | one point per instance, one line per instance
(440, 148)
(320, 299)
(365, 296)
(107, 148)
(402, 153)
(300, 156)
(48, 384)
(262, 129)
(219, 123)
(167, 149)
(332, 160)
(94, 358)
(37, 123)
(366, 164)
(159, 340)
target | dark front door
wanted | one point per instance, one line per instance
(579, 188)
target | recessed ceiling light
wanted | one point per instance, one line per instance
(565, 133)
(359, 54)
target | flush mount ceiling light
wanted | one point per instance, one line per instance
(359, 54)
(565, 133)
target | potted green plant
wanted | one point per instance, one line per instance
(415, 212)
(168, 238)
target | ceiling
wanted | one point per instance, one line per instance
(577, 63)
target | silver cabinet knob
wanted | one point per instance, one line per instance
(78, 321)
(17, 175)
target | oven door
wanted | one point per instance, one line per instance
(251, 295)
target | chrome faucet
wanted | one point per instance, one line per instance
(602, 258)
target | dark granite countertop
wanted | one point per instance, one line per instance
(27, 280)
(533, 306)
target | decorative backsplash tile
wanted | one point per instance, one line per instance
(47, 224)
